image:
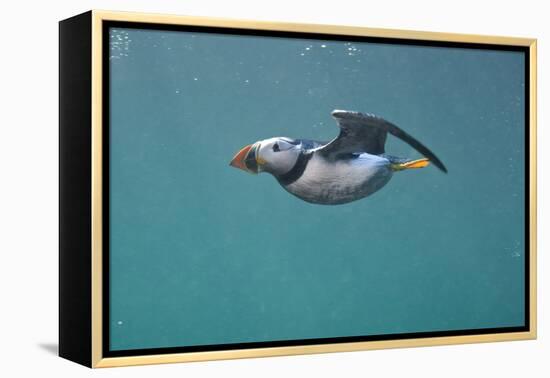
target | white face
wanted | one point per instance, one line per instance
(277, 155)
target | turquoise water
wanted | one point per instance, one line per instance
(202, 253)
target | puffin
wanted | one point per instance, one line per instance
(350, 167)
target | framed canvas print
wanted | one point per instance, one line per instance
(236, 189)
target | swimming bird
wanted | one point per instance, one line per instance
(352, 166)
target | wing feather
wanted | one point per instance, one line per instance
(364, 132)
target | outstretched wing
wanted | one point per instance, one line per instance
(360, 132)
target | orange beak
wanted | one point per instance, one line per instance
(245, 159)
(239, 159)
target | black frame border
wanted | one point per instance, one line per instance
(107, 25)
(75, 194)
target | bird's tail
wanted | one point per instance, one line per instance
(412, 164)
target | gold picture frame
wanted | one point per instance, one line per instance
(82, 43)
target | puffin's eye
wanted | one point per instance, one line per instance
(276, 147)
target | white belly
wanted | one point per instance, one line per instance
(342, 181)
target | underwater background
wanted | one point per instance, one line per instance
(202, 253)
